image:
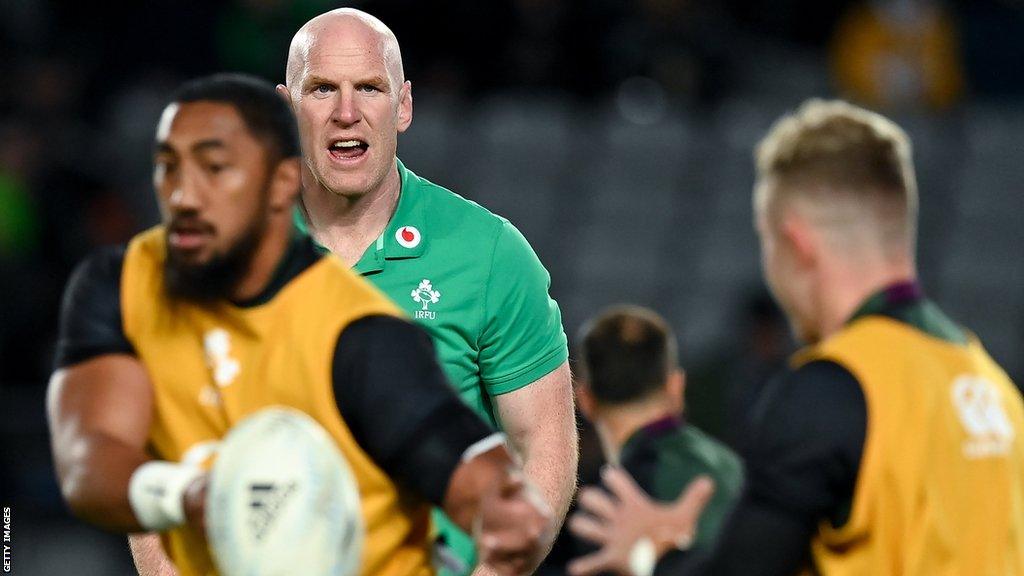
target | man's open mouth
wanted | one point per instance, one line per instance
(347, 149)
(188, 234)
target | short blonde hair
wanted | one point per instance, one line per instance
(841, 159)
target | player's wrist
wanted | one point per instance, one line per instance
(156, 493)
(485, 445)
(668, 539)
(675, 531)
(643, 557)
(649, 549)
(473, 486)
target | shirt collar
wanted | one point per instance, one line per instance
(894, 295)
(664, 425)
(657, 428)
(405, 235)
(653, 430)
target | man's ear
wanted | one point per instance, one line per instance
(283, 91)
(676, 388)
(285, 184)
(404, 106)
(585, 399)
(801, 239)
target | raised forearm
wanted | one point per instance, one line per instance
(99, 413)
(540, 420)
(94, 472)
(550, 462)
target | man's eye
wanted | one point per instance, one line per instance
(165, 165)
(212, 168)
(322, 89)
(368, 88)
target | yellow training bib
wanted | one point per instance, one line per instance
(212, 365)
(940, 490)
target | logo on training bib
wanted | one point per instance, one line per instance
(224, 368)
(408, 236)
(217, 344)
(983, 417)
(425, 295)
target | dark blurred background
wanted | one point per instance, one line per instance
(616, 135)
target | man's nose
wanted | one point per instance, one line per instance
(346, 112)
(185, 195)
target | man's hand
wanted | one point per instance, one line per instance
(620, 524)
(149, 556)
(147, 549)
(489, 497)
(514, 527)
(195, 504)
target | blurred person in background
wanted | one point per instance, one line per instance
(466, 275)
(631, 389)
(898, 54)
(168, 343)
(892, 445)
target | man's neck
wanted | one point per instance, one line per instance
(844, 293)
(268, 256)
(346, 225)
(616, 425)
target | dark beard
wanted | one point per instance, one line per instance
(216, 279)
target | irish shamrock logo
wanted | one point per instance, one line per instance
(425, 294)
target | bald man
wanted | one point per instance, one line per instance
(463, 273)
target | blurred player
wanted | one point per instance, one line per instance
(631, 388)
(224, 310)
(467, 276)
(894, 443)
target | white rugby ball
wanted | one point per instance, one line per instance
(282, 500)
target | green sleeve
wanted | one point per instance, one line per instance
(522, 339)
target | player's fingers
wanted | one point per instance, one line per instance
(588, 528)
(597, 502)
(596, 563)
(696, 497)
(622, 484)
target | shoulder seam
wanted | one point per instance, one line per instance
(487, 286)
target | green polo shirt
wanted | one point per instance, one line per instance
(471, 279)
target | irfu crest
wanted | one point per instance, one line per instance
(425, 295)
